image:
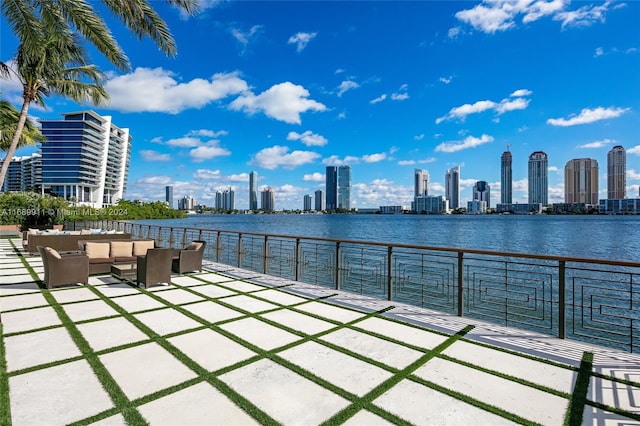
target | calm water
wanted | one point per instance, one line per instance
(601, 237)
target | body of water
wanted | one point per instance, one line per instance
(599, 237)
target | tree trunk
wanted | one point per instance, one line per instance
(14, 142)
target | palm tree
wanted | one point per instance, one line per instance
(137, 15)
(9, 117)
(55, 65)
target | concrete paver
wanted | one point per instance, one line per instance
(614, 394)
(213, 291)
(40, 347)
(249, 304)
(260, 333)
(82, 311)
(109, 333)
(167, 321)
(412, 335)
(74, 295)
(212, 312)
(22, 301)
(330, 311)
(137, 303)
(280, 297)
(300, 322)
(29, 319)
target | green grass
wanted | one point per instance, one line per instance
(579, 397)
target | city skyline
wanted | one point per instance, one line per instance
(386, 87)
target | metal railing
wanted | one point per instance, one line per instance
(591, 300)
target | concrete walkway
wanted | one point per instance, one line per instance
(232, 347)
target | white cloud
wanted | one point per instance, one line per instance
(284, 102)
(597, 144)
(208, 151)
(406, 162)
(374, 158)
(461, 112)
(492, 16)
(245, 37)
(314, 177)
(150, 155)
(301, 40)
(445, 80)
(554, 169)
(279, 156)
(468, 142)
(208, 133)
(454, 32)
(347, 85)
(418, 137)
(399, 96)
(159, 90)
(635, 150)
(308, 138)
(588, 116)
(378, 99)
(520, 93)
(154, 180)
(207, 174)
(599, 52)
(240, 177)
(633, 175)
(382, 192)
(512, 105)
(184, 142)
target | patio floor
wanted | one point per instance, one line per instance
(233, 347)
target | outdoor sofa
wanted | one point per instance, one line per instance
(103, 254)
(62, 241)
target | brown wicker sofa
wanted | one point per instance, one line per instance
(104, 253)
(64, 242)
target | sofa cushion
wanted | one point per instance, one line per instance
(85, 232)
(53, 253)
(140, 247)
(121, 249)
(194, 246)
(99, 260)
(96, 250)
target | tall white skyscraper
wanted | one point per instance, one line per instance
(421, 183)
(616, 173)
(253, 191)
(86, 158)
(452, 187)
(344, 187)
(538, 178)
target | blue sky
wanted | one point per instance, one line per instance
(287, 88)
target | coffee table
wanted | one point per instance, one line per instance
(125, 271)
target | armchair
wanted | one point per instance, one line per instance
(63, 269)
(155, 267)
(189, 259)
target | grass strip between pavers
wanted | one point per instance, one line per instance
(366, 401)
(575, 411)
(5, 414)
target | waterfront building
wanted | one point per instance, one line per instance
(24, 174)
(186, 203)
(319, 202)
(168, 196)
(420, 182)
(430, 204)
(519, 208)
(581, 181)
(476, 207)
(344, 187)
(86, 158)
(482, 192)
(452, 187)
(226, 200)
(268, 199)
(253, 191)
(620, 206)
(538, 178)
(616, 173)
(506, 179)
(307, 203)
(331, 187)
(392, 209)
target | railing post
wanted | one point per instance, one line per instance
(184, 237)
(389, 274)
(218, 247)
(264, 251)
(337, 265)
(160, 239)
(171, 240)
(239, 250)
(297, 260)
(561, 299)
(460, 284)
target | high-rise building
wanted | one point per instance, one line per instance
(482, 192)
(420, 183)
(331, 188)
(86, 158)
(538, 178)
(617, 173)
(581, 181)
(24, 174)
(452, 187)
(506, 179)
(344, 187)
(168, 197)
(319, 204)
(253, 191)
(307, 203)
(268, 199)
(226, 200)
(186, 203)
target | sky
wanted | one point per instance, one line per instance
(288, 88)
